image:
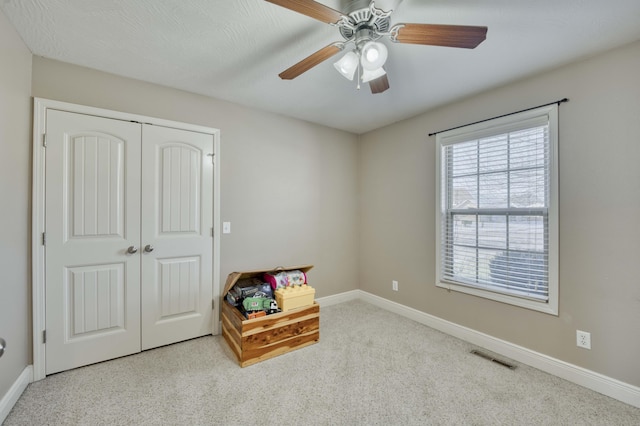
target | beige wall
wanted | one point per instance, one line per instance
(599, 214)
(288, 186)
(15, 223)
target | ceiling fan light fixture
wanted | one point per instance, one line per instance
(363, 26)
(374, 55)
(347, 65)
(368, 75)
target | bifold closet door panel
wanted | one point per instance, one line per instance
(177, 241)
(92, 225)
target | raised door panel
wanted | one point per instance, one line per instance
(96, 186)
(95, 300)
(93, 216)
(179, 180)
(178, 287)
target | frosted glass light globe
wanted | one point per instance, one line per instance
(347, 65)
(374, 55)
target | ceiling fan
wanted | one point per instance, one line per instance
(363, 25)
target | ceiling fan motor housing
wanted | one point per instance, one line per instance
(360, 11)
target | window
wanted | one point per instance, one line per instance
(497, 213)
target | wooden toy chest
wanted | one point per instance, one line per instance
(254, 340)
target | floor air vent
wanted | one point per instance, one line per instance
(492, 359)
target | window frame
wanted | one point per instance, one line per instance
(495, 127)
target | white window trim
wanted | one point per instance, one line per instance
(499, 125)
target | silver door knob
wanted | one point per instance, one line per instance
(132, 250)
(148, 248)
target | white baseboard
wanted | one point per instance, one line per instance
(339, 298)
(13, 394)
(600, 383)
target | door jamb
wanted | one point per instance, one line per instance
(40, 107)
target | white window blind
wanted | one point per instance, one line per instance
(497, 187)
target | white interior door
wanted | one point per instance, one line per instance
(92, 217)
(177, 241)
(129, 238)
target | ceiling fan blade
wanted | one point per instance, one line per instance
(311, 9)
(464, 36)
(311, 61)
(379, 85)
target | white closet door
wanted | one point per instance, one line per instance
(177, 242)
(92, 217)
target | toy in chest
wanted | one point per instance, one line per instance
(285, 279)
(255, 297)
(259, 323)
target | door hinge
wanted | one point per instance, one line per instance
(44, 336)
(44, 238)
(212, 232)
(213, 304)
(213, 156)
(44, 140)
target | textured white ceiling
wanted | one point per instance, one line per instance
(234, 49)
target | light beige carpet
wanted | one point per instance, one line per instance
(371, 367)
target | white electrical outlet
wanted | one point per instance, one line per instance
(394, 285)
(583, 339)
(226, 227)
